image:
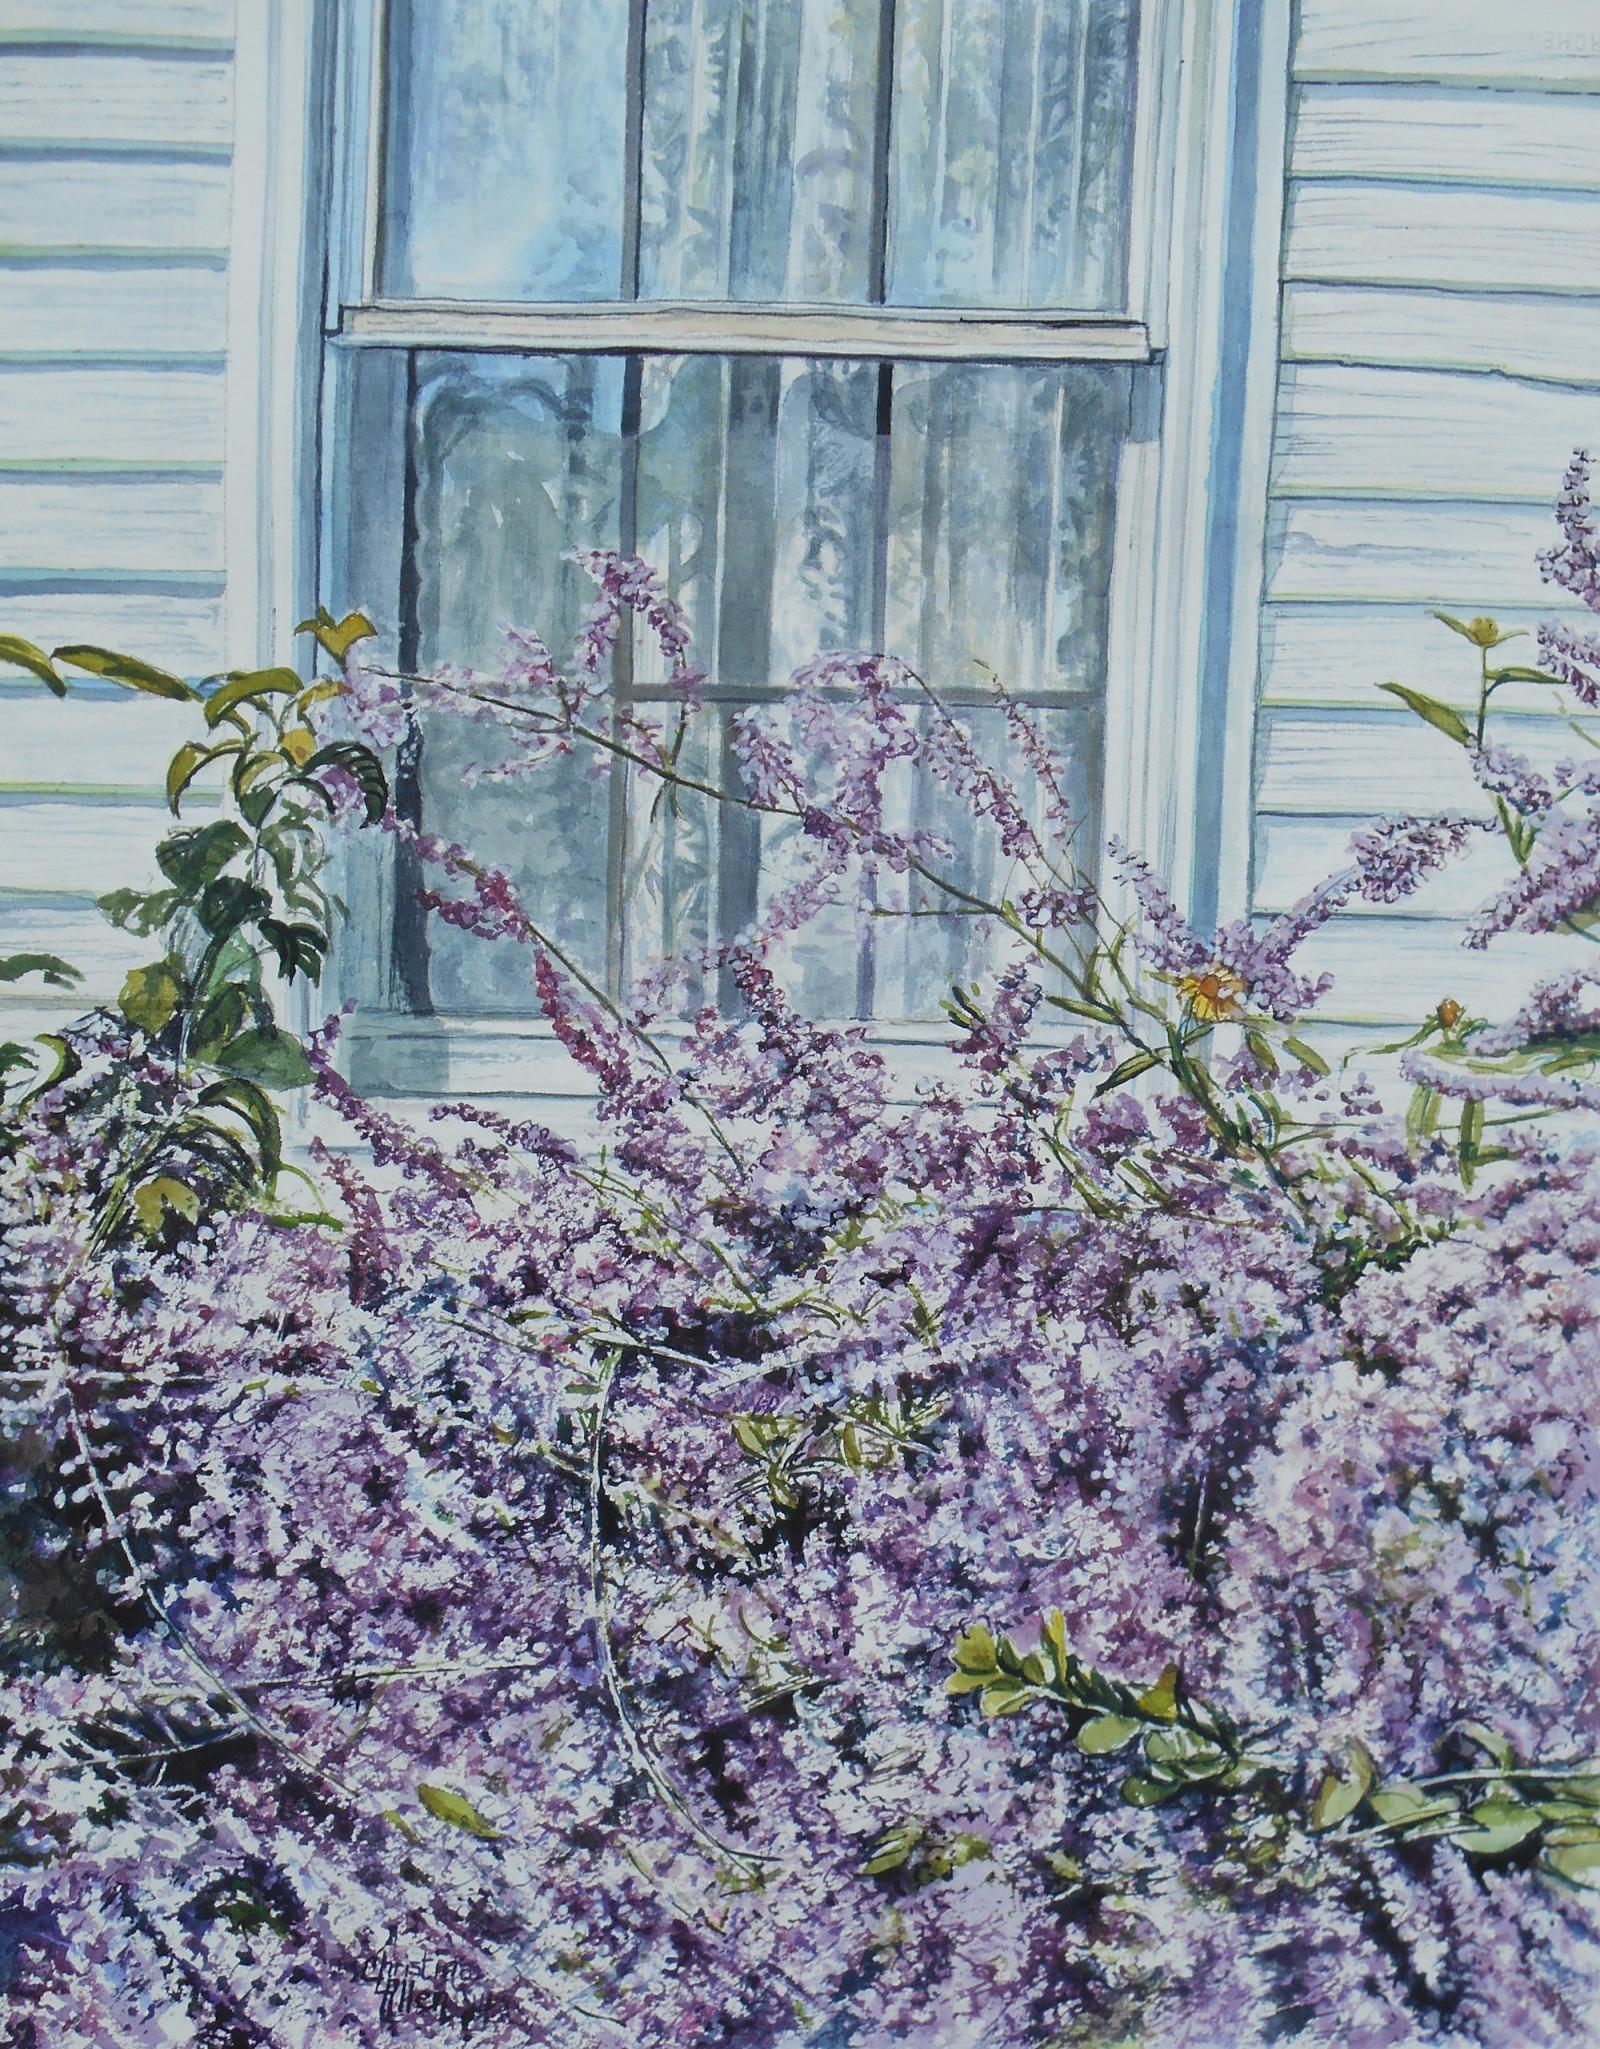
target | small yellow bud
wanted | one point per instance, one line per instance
(1483, 632)
(1449, 1014)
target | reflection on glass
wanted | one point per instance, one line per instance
(516, 462)
(1011, 151)
(959, 516)
(757, 165)
(505, 149)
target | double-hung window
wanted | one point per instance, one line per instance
(839, 313)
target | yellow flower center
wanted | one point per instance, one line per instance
(1216, 996)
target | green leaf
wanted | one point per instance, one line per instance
(195, 858)
(230, 902)
(187, 763)
(22, 654)
(151, 997)
(251, 1104)
(338, 636)
(1342, 1790)
(361, 764)
(138, 910)
(57, 972)
(975, 1650)
(1129, 1070)
(1488, 1740)
(444, 1805)
(1262, 1053)
(272, 1057)
(1405, 1807)
(1523, 675)
(1142, 1792)
(1105, 1734)
(156, 1199)
(1577, 1863)
(127, 670)
(1499, 1824)
(64, 1066)
(893, 1850)
(299, 948)
(1005, 1697)
(1308, 1056)
(249, 686)
(1161, 1700)
(1449, 722)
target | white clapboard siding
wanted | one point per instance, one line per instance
(70, 525)
(1394, 234)
(78, 207)
(1396, 971)
(1338, 655)
(113, 100)
(1295, 855)
(1446, 136)
(1425, 434)
(1521, 335)
(1473, 556)
(151, 418)
(163, 312)
(78, 844)
(183, 634)
(121, 742)
(1343, 762)
(156, 23)
(1552, 44)
(75, 932)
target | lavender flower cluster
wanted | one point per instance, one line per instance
(517, 1604)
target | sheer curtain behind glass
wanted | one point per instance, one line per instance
(955, 154)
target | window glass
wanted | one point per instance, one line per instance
(958, 515)
(505, 149)
(1012, 151)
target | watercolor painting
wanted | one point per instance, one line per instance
(799, 1026)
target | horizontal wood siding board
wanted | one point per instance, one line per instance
(77, 206)
(180, 634)
(1437, 135)
(1339, 654)
(98, 100)
(84, 524)
(1338, 762)
(1551, 44)
(1473, 239)
(1396, 972)
(1521, 335)
(76, 933)
(119, 315)
(111, 418)
(119, 742)
(78, 845)
(202, 24)
(1294, 855)
(1425, 434)
(1471, 557)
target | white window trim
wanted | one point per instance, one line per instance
(1182, 660)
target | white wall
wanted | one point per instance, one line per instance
(141, 149)
(1440, 361)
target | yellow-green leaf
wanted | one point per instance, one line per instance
(1106, 1733)
(152, 1202)
(18, 653)
(150, 998)
(127, 669)
(1161, 1699)
(444, 1805)
(1498, 1824)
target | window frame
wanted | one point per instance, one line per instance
(1188, 557)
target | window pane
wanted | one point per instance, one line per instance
(960, 516)
(757, 174)
(505, 149)
(1012, 147)
(516, 462)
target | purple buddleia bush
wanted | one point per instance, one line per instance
(1092, 1547)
